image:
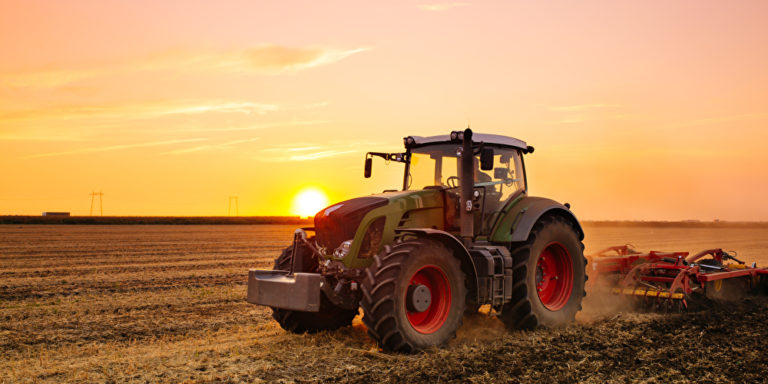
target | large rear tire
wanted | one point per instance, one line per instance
(413, 296)
(329, 317)
(548, 276)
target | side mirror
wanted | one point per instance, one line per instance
(368, 167)
(486, 159)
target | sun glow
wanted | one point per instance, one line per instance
(308, 201)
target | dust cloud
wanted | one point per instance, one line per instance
(480, 326)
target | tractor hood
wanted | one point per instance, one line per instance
(339, 222)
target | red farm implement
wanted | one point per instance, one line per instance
(675, 281)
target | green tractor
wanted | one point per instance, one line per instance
(462, 233)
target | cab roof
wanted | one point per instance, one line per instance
(476, 137)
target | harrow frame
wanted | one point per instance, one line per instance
(669, 275)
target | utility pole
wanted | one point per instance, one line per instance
(101, 202)
(237, 207)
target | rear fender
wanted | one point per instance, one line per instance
(519, 220)
(459, 251)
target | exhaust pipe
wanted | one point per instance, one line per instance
(467, 182)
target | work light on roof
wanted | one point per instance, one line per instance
(457, 135)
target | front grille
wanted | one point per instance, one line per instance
(372, 239)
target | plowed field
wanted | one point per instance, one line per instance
(166, 304)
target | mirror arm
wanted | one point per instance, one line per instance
(397, 157)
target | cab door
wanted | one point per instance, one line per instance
(494, 188)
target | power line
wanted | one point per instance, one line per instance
(101, 202)
(237, 207)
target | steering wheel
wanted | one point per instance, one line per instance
(453, 181)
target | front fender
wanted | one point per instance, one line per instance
(517, 223)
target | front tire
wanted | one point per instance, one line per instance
(329, 317)
(549, 276)
(413, 296)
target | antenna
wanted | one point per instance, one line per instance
(101, 202)
(237, 207)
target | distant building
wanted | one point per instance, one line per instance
(56, 214)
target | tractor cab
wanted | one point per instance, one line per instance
(434, 162)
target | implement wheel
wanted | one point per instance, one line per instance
(328, 318)
(413, 296)
(549, 276)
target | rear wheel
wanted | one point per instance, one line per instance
(413, 296)
(328, 318)
(549, 276)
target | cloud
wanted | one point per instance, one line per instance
(135, 110)
(33, 137)
(111, 148)
(583, 107)
(312, 151)
(280, 58)
(320, 155)
(210, 147)
(86, 122)
(441, 6)
(262, 59)
(246, 108)
(574, 120)
(253, 127)
(715, 120)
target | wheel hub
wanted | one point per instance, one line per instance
(554, 276)
(428, 299)
(418, 298)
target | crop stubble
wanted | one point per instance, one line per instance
(166, 303)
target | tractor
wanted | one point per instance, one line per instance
(461, 234)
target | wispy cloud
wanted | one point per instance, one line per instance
(135, 110)
(279, 58)
(111, 148)
(716, 120)
(33, 137)
(210, 147)
(583, 107)
(246, 108)
(574, 120)
(320, 155)
(312, 151)
(440, 6)
(252, 127)
(263, 59)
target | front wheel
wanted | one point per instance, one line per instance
(549, 276)
(413, 296)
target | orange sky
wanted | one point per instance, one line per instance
(637, 109)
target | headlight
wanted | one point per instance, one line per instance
(343, 249)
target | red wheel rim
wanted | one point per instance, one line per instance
(554, 276)
(434, 317)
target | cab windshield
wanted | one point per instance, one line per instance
(437, 166)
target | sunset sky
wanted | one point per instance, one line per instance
(637, 109)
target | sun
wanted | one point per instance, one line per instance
(309, 201)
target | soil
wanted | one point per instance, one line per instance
(166, 304)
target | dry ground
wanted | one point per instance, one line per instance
(166, 304)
